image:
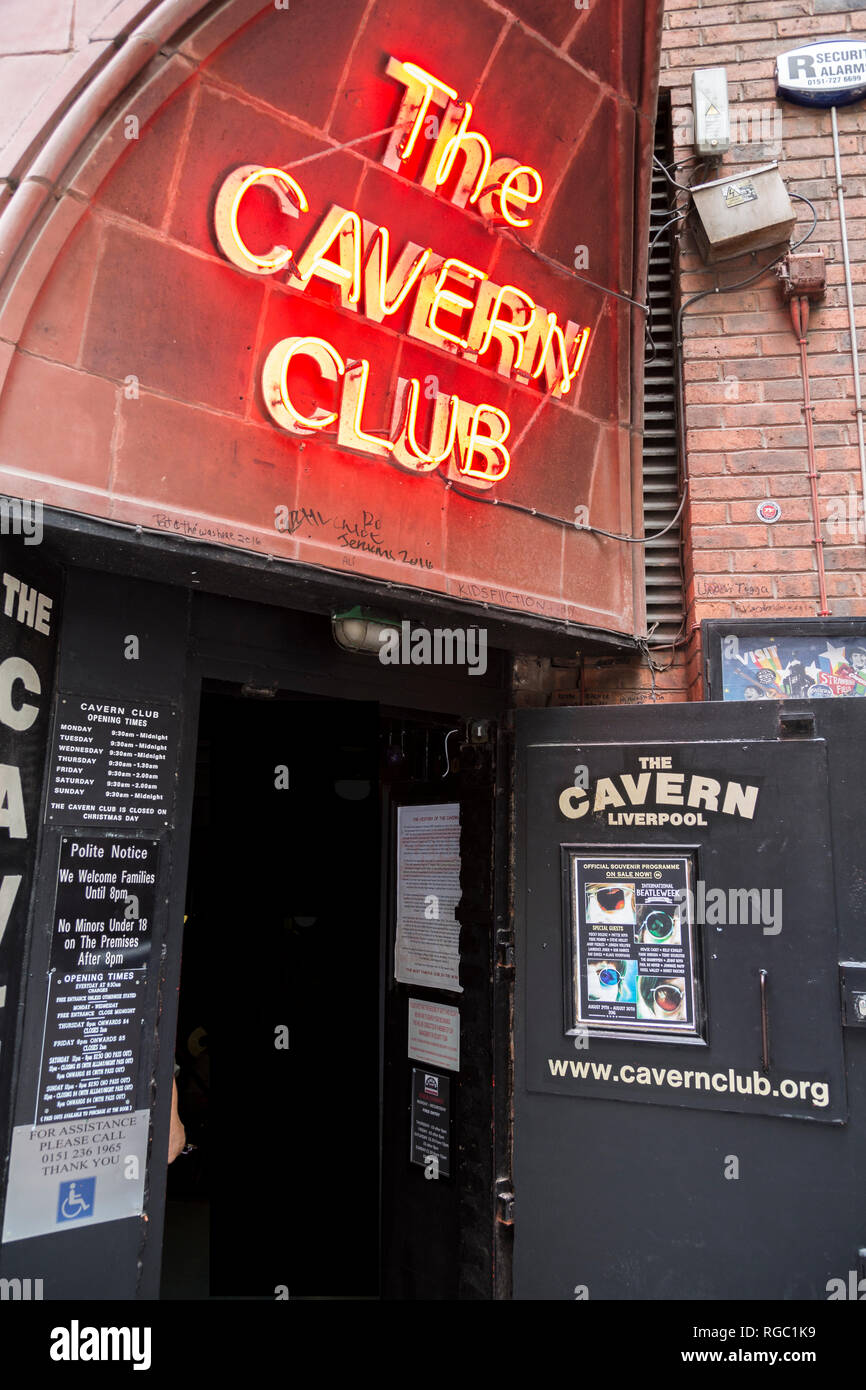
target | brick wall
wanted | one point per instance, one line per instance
(745, 432)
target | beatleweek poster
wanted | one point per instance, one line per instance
(632, 931)
(783, 668)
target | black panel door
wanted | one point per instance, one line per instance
(29, 624)
(724, 1160)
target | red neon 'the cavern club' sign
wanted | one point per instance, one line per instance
(455, 306)
(364, 293)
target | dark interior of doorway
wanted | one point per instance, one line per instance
(284, 932)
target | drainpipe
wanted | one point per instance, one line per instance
(799, 307)
(852, 322)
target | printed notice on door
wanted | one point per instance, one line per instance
(633, 944)
(100, 951)
(434, 1033)
(427, 948)
(430, 1123)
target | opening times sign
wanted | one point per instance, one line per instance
(632, 936)
(112, 764)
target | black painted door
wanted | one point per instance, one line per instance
(440, 1237)
(690, 1105)
(29, 624)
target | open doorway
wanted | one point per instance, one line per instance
(295, 1066)
(278, 1038)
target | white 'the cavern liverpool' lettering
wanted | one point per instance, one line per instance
(693, 792)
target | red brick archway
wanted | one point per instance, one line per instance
(133, 391)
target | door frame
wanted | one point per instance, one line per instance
(212, 660)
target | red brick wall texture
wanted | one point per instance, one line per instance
(744, 414)
(745, 431)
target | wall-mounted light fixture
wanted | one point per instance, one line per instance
(358, 630)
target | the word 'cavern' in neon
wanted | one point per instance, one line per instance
(455, 305)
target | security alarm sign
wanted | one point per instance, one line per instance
(633, 954)
(828, 72)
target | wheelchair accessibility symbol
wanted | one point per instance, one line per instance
(75, 1199)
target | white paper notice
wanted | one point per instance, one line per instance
(427, 949)
(434, 1033)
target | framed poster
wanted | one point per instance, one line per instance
(813, 659)
(631, 956)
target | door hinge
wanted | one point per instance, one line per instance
(505, 1202)
(505, 949)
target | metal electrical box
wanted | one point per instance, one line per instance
(710, 107)
(742, 212)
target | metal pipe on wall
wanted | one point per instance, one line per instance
(849, 294)
(799, 309)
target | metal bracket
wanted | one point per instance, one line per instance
(796, 724)
(505, 1200)
(852, 984)
(505, 949)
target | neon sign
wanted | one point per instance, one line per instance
(527, 340)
